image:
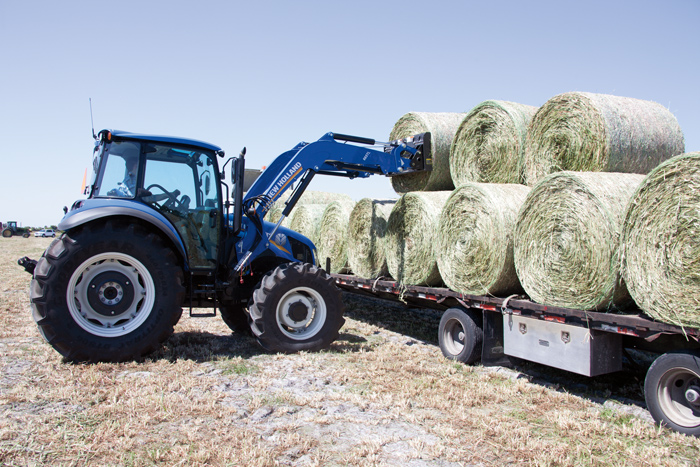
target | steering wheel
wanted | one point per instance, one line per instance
(170, 198)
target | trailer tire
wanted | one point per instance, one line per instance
(296, 307)
(672, 392)
(460, 335)
(111, 292)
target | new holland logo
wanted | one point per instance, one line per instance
(281, 239)
(285, 179)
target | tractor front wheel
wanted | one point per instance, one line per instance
(107, 293)
(296, 307)
(235, 317)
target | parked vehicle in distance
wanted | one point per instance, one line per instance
(45, 233)
(10, 228)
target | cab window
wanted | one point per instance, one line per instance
(181, 184)
(120, 172)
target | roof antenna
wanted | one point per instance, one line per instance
(94, 136)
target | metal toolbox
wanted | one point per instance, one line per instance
(572, 348)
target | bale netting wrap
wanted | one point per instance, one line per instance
(442, 128)
(567, 239)
(366, 234)
(410, 238)
(306, 218)
(661, 242)
(475, 238)
(599, 133)
(490, 143)
(332, 235)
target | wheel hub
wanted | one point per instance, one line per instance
(301, 313)
(298, 311)
(692, 395)
(110, 293)
(453, 337)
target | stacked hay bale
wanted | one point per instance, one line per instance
(309, 197)
(306, 219)
(475, 238)
(410, 237)
(442, 128)
(660, 242)
(366, 235)
(599, 133)
(490, 143)
(332, 235)
(567, 237)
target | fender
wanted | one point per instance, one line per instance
(281, 244)
(87, 210)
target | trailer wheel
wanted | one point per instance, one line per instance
(460, 335)
(107, 293)
(672, 392)
(296, 307)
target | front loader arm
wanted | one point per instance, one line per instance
(330, 155)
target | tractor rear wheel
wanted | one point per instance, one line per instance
(7, 233)
(107, 293)
(296, 307)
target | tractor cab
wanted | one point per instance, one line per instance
(176, 177)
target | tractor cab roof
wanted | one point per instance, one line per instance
(125, 135)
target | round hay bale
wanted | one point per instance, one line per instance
(366, 232)
(442, 128)
(306, 218)
(599, 133)
(661, 242)
(332, 235)
(490, 143)
(410, 237)
(475, 238)
(309, 197)
(567, 239)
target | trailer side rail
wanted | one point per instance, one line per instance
(635, 325)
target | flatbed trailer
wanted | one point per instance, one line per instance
(494, 329)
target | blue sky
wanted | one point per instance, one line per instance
(269, 74)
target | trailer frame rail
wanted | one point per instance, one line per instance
(633, 323)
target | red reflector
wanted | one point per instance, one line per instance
(556, 319)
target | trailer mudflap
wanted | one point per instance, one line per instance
(492, 350)
(577, 349)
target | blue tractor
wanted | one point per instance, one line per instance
(162, 229)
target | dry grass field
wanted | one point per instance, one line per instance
(381, 395)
